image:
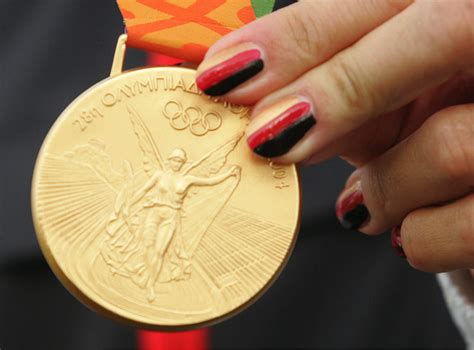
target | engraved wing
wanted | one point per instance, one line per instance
(152, 159)
(123, 247)
(203, 204)
(212, 162)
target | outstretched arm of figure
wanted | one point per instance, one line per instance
(202, 181)
(146, 187)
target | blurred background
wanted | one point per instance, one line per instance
(340, 289)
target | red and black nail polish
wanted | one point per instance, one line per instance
(351, 211)
(396, 241)
(225, 76)
(277, 136)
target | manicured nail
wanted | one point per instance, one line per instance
(351, 210)
(396, 240)
(275, 130)
(229, 68)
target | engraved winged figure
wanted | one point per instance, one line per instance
(161, 213)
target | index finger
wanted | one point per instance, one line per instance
(276, 49)
(386, 69)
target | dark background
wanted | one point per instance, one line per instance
(340, 288)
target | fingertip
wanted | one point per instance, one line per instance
(396, 241)
(353, 178)
(229, 68)
(351, 210)
(276, 131)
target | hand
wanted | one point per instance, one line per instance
(388, 86)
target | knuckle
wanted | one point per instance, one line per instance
(351, 86)
(452, 144)
(303, 33)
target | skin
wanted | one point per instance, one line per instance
(170, 188)
(391, 83)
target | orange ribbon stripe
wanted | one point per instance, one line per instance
(182, 28)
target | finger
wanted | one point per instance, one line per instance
(287, 43)
(435, 164)
(440, 239)
(378, 135)
(385, 70)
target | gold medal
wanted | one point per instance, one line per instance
(151, 209)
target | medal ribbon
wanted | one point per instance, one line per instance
(186, 29)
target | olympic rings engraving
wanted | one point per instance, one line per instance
(198, 122)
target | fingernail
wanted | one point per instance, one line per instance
(275, 130)
(229, 68)
(351, 210)
(396, 240)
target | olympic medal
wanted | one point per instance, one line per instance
(150, 207)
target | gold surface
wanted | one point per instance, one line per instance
(151, 209)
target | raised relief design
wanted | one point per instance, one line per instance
(279, 173)
(192, 117)
(87, 117)
(161, 240)
(154, 210)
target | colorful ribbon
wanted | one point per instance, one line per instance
(186, 29)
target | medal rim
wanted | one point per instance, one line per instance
(95, 305)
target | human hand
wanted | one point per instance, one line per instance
(386, 85)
